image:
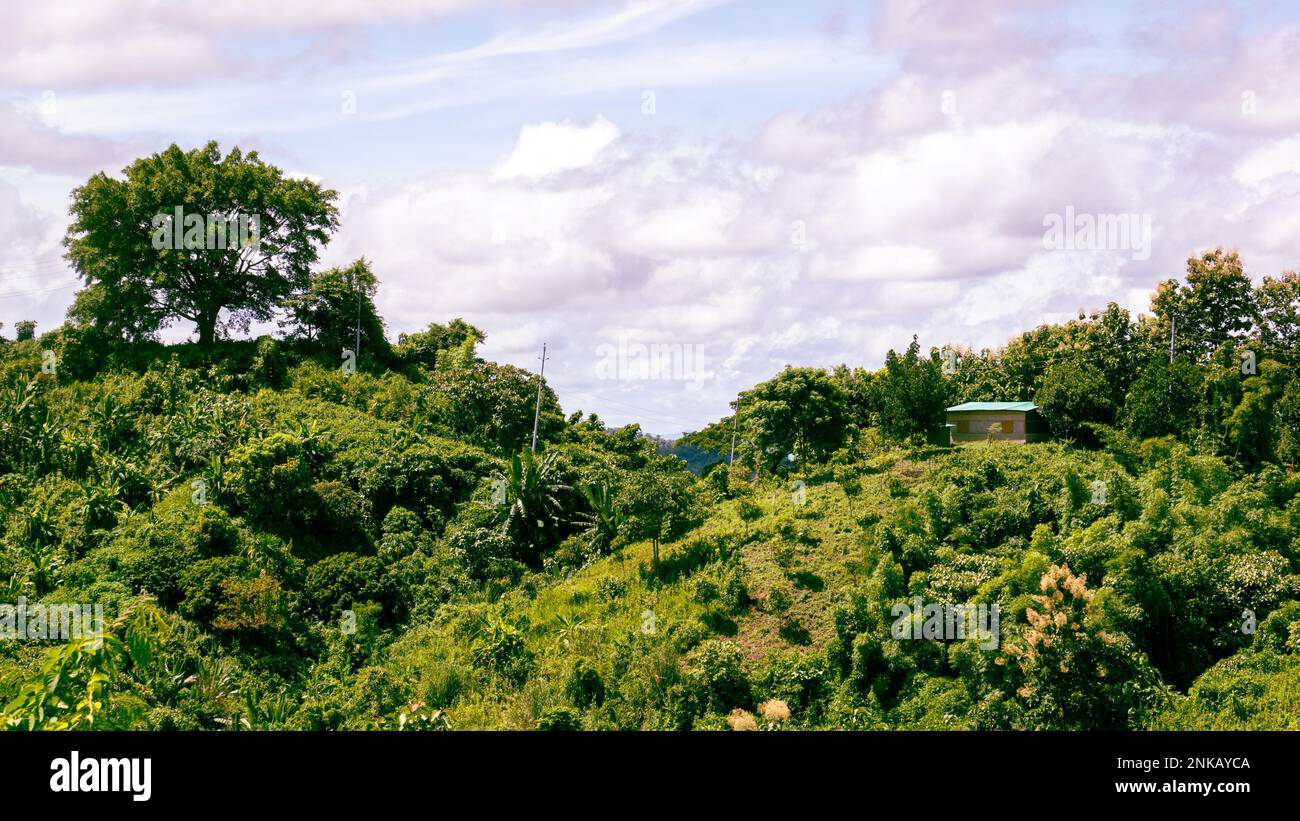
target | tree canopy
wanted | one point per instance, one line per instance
(333, 304)
(247, 233)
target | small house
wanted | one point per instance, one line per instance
(996, 421)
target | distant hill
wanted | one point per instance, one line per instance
(697, 459)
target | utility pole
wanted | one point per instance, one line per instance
(734, 421)
(537, 412)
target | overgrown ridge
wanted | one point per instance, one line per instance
(277, 543)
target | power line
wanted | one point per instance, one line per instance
(49, 290)
(623, 406)
(39, 263)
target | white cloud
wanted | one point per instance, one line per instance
(1270, 160)
(545, 149)
(69, 43)
(635, 18)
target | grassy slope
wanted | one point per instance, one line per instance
(815, 553)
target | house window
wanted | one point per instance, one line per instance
(963, 426)
(1008, 426)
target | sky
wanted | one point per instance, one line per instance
(681, 197)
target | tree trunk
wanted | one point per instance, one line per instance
(207, 325)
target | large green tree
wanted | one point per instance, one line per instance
(658, 502)
(911, 393)
(1277, 304)
(801, 411)
(440, 345)
(1164, 399)
(1254, 429)
(123, 241)
(1215, 305)
(1074, 394)
(492, 405)
(333, 304)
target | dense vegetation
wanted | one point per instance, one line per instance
(281, 543)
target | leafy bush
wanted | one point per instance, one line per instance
(718, 669)
(559, 719)
(269, 478)
(339, 582)
(584, 686)
(501, 650)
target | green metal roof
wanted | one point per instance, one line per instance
(993, 406)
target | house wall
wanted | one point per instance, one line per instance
(979, 422)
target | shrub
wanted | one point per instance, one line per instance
(251, 606)
(556, 719)
(340, 518)
(339, 582)
(269, 369)
(269, 478)
(211, 533)
(774, 711)
(1073, 675)
(374, 694)
(741, 720)
(719, 672)
(1280, 631)
(704, 591)
(201, 586)
(500, 649)
(571, 554)
(711, 723)
(584, 686)
(609, 589)
(778, 600)
(801, 682)
(484, 553)
(403, 535)
(734, 592)
(426, 478)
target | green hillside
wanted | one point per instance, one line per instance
(370, 551)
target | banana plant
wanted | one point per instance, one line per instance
(567, 629)
(38, 545)
(99, 504)
(81, 685)
(13, 588)
(532, 513)
(605, 519)
(271, 713)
